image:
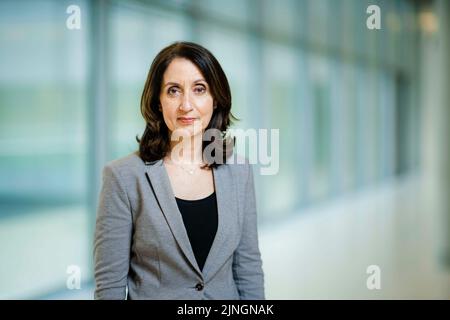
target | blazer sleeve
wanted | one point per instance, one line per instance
(247, 265)
(112, 239)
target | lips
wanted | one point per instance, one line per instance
(186, 120)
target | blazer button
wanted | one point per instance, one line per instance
(199, 286)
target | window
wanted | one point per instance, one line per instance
(43, 169)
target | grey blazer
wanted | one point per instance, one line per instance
(141, 243)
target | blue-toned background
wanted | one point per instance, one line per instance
(364, 137)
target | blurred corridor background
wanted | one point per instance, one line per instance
(363, 116)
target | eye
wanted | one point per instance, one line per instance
(200, 89)
(172, 91)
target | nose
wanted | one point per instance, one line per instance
(186, 104)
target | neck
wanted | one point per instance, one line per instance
(187, 150)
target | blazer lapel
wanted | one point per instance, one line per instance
(161, 187)
(227, 213)
(226, 207)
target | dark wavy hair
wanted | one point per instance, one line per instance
(155, 141)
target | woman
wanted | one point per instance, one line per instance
(177, 219)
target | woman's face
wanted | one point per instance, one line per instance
(185, 97)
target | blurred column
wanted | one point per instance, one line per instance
(435, 69)
(444, 11)
(97, 108)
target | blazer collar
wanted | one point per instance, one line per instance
(226, 205)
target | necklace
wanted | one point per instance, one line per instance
(190, 170)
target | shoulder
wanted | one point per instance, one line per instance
(125, 166)
(238, 165)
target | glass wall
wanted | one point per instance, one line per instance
(342, 96)
(43, 134)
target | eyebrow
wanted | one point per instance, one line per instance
(177, 84)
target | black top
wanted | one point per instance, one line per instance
(200, 220)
